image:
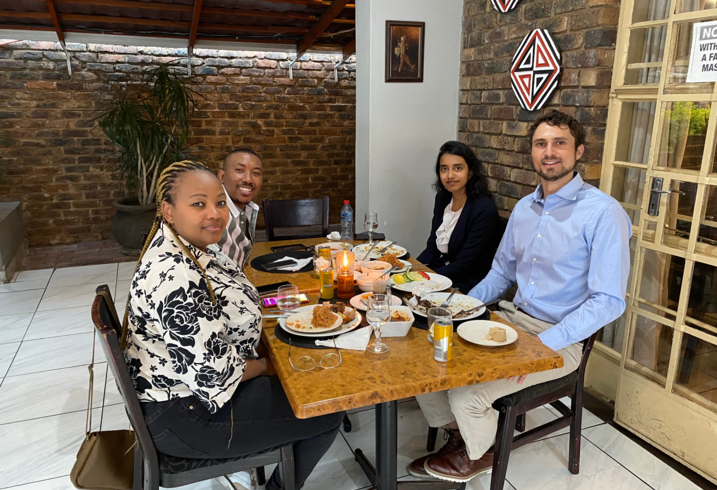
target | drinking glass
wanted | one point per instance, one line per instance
(440, 316)
(287, 298)
(378, 314)
(370, 222)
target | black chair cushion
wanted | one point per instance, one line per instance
(535, 391)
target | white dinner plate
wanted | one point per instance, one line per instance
(346, 327)
(356, 301)
(476, 330)
(458, 303)
(360, 250)
(300, 322)
(437, 282)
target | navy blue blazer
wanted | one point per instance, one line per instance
(472, 244)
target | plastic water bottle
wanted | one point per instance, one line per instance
(347, 222)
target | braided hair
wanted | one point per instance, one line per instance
(166, 186)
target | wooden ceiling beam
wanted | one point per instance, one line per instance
(259, 13)
(196, 13)
(243, 28)
(24, 15)
(125, 20)
(310, 2)
(317, 29)
(131, 4)
(349, 48)
(55, 21)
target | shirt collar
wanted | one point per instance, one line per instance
(568, 191)
(234, 209)
(203, 257)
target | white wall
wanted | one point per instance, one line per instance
(401, 126)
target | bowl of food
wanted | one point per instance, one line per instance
(365, 283)
(400, 322)
(374, 268)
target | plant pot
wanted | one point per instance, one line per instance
(131, 222)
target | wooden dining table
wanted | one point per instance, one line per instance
(407, 370)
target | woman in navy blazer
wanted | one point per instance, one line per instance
(461, 187)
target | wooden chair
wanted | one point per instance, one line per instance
(533, 397)
(294, 213)
(151, 468)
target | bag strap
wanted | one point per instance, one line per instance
(91, 368)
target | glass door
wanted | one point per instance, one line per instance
(660, 164)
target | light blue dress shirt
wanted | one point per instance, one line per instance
(569, 254)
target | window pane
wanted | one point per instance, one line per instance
(651, 346)
(646, 46)
(627, 187)
(683, 134)
(645, 10)
(679, 61)
(661, 279)
(702, 303)
(707, 237)
(634, 145)
(697, 369)
(694, 5)
(678, 217)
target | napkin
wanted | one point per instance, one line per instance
(334, 235)
(299, 264)
(356, 340)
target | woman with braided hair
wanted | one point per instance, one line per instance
(192, 332)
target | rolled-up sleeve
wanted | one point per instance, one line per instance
(609, 267)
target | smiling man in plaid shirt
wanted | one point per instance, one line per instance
(242, 177)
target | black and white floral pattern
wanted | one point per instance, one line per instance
(180, 344)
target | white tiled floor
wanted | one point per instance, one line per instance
(46, 345)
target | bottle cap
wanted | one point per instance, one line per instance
(347, 201)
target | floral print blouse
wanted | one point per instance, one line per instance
(179, 344)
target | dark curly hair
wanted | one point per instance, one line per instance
(477, 185)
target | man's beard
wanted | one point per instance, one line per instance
(556, 177)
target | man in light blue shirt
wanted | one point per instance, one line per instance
(566, 247)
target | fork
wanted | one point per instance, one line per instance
(448, 299)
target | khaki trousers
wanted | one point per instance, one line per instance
(472, 406)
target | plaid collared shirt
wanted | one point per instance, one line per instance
(238, 237)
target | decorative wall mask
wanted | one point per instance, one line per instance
(535, 70)
(504, 5)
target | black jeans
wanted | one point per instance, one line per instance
(263, 419)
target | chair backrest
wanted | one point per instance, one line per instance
(500, 226)
(294, 213)
(587, 348)
(107, 329)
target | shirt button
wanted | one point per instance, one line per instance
(531, 282)
(525, 304)
(547, 212)
(538, 236)
(534, 259)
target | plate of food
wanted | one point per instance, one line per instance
(429, 280)
(349, 318)
(360, 250)
(356, 301)
(487, 333)
(459, 305)
(401, 265)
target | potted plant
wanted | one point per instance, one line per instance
(149, 131)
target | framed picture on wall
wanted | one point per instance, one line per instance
(404, 51)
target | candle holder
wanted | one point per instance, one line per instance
(345, 274)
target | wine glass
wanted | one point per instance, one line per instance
(370, 222)
(378, 314)
(287, 298)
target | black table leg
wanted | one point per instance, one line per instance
(384, 476)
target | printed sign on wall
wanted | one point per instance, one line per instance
(504, 5)
(703, 57)
(535, 70)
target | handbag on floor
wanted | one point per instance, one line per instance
(105, 460)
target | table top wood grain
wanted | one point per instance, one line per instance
(408, 369)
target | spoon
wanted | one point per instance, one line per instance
(449, 298)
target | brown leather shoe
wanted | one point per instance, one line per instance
(457, 466)
(417, 466)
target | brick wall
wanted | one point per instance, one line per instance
(490, 118)
(57, 161)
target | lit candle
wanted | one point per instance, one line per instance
(345, 277)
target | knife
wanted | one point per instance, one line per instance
(369, 251)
